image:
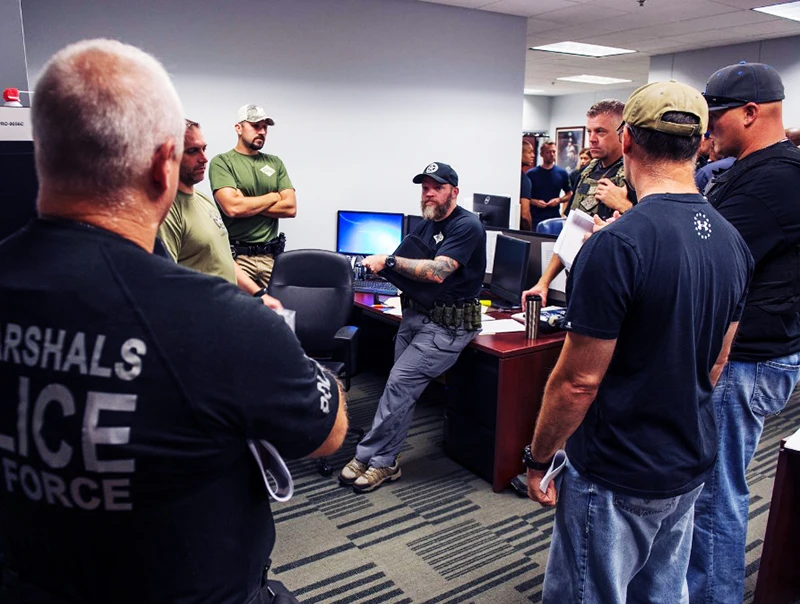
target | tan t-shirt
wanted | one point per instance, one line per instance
(195, 236)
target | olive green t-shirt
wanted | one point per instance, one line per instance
(195, 236)
(253, 175)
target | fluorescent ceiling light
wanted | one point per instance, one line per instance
(586, 50)
(533, 91)
(592, 79)
(790, 10)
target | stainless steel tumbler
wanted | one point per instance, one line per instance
(533, 308)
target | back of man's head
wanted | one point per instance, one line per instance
(100, 111)
(606, 107)
(667, 120)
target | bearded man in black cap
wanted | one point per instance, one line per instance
(760, 196)
(440, 266)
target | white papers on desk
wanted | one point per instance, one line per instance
(501, 326)
(793, 442)
(395, 312)
(570, 240)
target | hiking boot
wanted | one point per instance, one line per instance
(375, 477)
(351, 472)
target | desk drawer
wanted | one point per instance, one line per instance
(469, 444)
(472, 387)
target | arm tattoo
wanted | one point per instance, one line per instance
(435, 271)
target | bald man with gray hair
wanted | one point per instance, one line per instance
(127, 416)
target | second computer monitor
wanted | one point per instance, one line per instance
(493, 210)
(509, 271)
(365, 233)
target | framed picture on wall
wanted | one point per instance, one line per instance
(569, 142)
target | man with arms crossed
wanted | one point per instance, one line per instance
(760, 196)
(193, 231)
(547, 182)
(602, 189)
(253, 190)
(429, 339)
(656, 297)
(127, 392)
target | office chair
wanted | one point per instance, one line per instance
(318, 286)
(551, 226)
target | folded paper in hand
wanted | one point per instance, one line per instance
(277, 478)
(559, 461)
(570, 240)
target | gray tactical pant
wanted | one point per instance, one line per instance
(423, 350)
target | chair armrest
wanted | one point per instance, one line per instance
(346, 334)
(347, 338)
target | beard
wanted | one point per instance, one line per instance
(256, 144)
(436, 212)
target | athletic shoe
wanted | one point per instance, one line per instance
(375, 477)
(351, 472)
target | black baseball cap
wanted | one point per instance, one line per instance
(439, 172)
(737, 85)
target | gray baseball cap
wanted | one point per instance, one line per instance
(253, 113)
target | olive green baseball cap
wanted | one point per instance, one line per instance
(647, 105)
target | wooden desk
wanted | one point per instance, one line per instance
(778, 581)
(494, 394)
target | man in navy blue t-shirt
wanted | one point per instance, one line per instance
(654, 305)
(547, 183)
(128, 404)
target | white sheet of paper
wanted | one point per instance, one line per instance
(793, 442)
(570, 240)
(396, 312)
(491, 243)
(559, 461)
(560, 282)
(502, 326)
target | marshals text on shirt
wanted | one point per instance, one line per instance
(67, 468)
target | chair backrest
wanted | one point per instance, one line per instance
(551, 226)
(318, 286)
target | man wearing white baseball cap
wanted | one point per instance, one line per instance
(253, 190)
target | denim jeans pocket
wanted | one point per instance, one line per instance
(643, 507)
(774, 384)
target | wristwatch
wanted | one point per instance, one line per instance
(390, 261)
(529, 462)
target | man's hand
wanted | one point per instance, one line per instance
(599, 224)
(540, 288)
(375, 263)
(548, 498)
(271, 302)
(539, 203)
(554, 202)
(613, 196)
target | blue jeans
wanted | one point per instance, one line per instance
(745, 394)
(609, 548)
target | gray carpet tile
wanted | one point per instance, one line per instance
(439, 534)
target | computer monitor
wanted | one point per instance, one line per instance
(17, 166)
(493, 210)
(365, 233)
(509, 271)
(412, 222)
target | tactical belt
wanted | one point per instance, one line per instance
(272, 247)
(465, 313)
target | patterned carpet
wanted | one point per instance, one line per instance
(440, 534)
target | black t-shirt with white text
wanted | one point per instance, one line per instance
(130, 387)
(665, 280)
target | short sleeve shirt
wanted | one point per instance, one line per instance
(196, 237)
(547, 185)
(135, 484)
(665, 280)
(253, 175)
(461, 237)
(525, 187)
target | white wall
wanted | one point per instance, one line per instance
(12, 53)
(536, 112)
(365, 93)
(696, 66)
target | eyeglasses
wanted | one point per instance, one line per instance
(619, 130)
(630, 129)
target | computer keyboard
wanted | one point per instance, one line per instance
(374, 286)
